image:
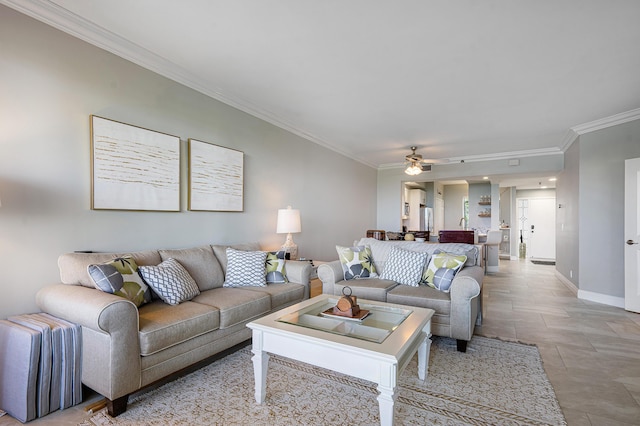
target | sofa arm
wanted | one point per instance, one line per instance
(299, 271)
(110, 342)
(330, 273)
(465, 295)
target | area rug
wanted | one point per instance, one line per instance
(493, 383)
(543, 262)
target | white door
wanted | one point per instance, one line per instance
(632, 235)
(540, 228)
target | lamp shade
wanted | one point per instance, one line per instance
(288, 221)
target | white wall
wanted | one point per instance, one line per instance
(50, 83)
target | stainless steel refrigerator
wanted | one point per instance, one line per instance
(426, 219)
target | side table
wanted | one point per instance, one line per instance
(315, 285)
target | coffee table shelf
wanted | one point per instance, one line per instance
(379, 324)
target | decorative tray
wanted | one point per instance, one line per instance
(359, 317)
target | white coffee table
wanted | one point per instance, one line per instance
(376, 349)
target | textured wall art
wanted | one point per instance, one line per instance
(215, 177)
(133, 168)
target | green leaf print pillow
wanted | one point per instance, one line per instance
(451, 261)
(357, 262)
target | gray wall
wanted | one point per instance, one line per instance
(453, 196)
(477, 190)
(50, 83)
(567, 217)
(601, 206)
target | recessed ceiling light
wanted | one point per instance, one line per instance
(552, 179)
(485, 177)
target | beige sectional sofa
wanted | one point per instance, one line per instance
(126, 348)
(457, 312)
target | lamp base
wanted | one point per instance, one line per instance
(290, 247)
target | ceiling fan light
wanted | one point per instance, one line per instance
(413, 169)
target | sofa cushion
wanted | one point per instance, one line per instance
(120, 277)
(404, 266)
(221, 251)
(163, 326)
(442, 260)
(170, 281)
(235, 304)
(422, 296)
(201, 264)
(372, 289)
(357, 262)
(245, 268)
(276, 267)
(281, 294)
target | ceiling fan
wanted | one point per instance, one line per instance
(415, 164)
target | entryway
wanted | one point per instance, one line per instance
(537, 223)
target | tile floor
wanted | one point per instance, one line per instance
(591, 352)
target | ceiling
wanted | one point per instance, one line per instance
(370, 78)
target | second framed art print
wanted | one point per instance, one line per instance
(216, 177)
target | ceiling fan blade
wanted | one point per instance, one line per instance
(435, 161)
(417, 158)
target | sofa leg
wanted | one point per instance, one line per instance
(462, 345)
(117, 406)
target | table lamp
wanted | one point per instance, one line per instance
(288, 223)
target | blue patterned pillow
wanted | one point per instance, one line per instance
(170, 281)
(276, 267)
(245, 268)
(443, 278)
(120, 277)
(404, 267)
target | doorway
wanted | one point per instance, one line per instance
(537, 223)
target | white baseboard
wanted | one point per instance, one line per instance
(605, 299)
(571, 286)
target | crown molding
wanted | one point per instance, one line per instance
(610, 121)
(76, 26)
(602, 123)
(569, 138)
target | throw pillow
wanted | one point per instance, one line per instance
(357, 262)
(245, 268)
(276, 267)
(442, 260)
(443, 278)
(170, 281)
(120, 277)
(404, 266)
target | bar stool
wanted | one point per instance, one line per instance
(493, 239)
